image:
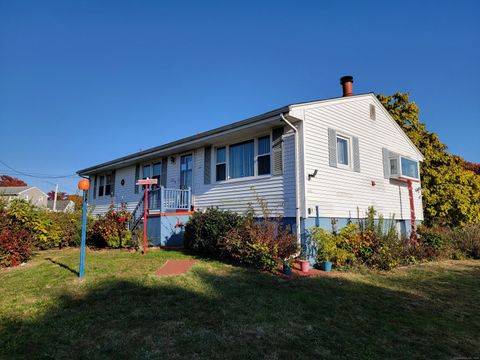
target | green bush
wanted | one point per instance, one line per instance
(204, 230)
(243, 239)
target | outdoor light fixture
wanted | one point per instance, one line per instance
(312, 175)
(172, 159)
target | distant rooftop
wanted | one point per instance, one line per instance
(13, 190)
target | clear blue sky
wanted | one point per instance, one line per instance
(82, 82)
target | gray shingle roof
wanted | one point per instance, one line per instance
(12, 190)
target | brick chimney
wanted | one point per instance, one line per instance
(347, 82)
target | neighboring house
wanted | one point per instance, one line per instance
(66, 206)
(30, 193)
(310, 162)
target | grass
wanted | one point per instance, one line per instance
(122, 310)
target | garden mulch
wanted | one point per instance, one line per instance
(175, 267)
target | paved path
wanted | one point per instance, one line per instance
(175, 267)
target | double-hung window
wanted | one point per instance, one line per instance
(157, 173)
(101, 186)
(241, 160)
(146, 171)
(263, 156)
(343, 151)
(221, 164)
(108, 184)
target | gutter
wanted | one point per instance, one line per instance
(297, 180)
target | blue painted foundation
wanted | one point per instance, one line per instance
(163, 230)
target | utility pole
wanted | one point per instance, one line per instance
(55, 199)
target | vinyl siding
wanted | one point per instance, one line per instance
(235, 195)
(338, 192)
(240, 194)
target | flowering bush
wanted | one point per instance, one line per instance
(110, 229)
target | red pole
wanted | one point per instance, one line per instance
(145, 207)
(412, 210)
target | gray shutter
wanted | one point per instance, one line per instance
(332, 147)
(112, 185)
(164, 172)
(277, 151)
(356, 154)
(207, 165)
(137, 175)
(386, 165)
(95, 187)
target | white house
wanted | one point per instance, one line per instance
(310, 162)
(29, 193)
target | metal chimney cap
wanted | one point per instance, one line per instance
(346, 78)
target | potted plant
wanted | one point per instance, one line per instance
(304, 264)
(326, 248)
(287, 266)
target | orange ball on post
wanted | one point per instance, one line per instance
(84, 184)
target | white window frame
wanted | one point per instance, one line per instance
(400, 174)
(222, 163)
(104, 177)
(269, 154)
(255, 159)
(348, 166)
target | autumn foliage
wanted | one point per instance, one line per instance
(6, 180)
(450, 186)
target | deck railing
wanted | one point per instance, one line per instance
(162, 199)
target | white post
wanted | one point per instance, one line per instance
(55, 199)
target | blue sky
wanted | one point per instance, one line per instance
(82, 82)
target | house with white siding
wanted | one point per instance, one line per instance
(310, 162)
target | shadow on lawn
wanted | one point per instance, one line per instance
(73, 271)
(243, 314)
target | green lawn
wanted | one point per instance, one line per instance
(122, 310)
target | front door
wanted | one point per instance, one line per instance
(186, 171)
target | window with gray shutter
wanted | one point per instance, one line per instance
(277, 151)
(164, 171)
(332, 147)
(207, 164)
(356, 154)
(137, 175)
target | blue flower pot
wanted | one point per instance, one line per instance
(287, 270)
(327, 266)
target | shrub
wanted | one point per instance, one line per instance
(204, 230)
(260, 244)
(15, 243)
(110, 229)
(243, 239)
(467, 240)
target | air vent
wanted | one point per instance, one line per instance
(373, 112)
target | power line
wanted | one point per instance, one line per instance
(39, 175)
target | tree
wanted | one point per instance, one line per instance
(472, 167)
(451, 193)
(6, 180)
(77, 199)
(60, 195)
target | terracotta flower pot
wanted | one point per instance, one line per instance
(304, 265)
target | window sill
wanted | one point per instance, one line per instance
(242, 179)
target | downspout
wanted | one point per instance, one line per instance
(297, 180)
